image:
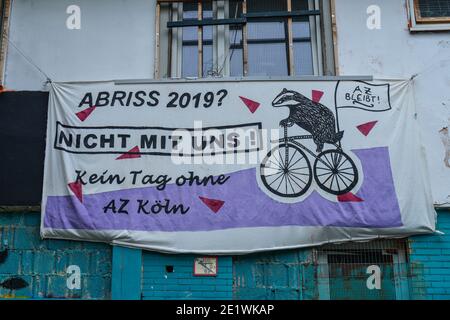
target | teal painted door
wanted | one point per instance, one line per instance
(348, 276)
(374, 270)
(334, 272)
(274, 275)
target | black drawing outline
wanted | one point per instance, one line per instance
(323, 126)
(254, 124)
(365, 109)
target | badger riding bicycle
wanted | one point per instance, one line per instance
(286, 170)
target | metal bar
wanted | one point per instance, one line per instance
(251, 41)
(5, 17)
(2, 10)
(171, 1)
(206, 22)
(327, 42)
(239, 45)
(240, 21)
(282, 14)
(157, 40)
(244, 41)
(334, 36)
(244, 79)
(293, 138)
(290, 41)
(200, 40)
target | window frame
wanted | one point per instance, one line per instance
(322, 54)
(5, 10)
(418, 23)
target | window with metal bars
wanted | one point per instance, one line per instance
(343, 270)
(429, 15)
(432, 10)
(241, 38)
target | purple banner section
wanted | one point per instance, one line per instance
(245, 205)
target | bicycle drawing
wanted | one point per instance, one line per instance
(286, 169)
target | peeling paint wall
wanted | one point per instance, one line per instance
(288, 274)
(31, 268)
(393, 51)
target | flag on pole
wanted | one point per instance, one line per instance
(362, 95)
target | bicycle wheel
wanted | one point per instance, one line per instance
(335, 172)
(290, 178)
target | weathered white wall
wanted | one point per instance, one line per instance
(116, 41)
(392, 51)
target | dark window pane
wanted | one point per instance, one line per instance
(303, 58)
(236, 68)
(267, 53)
(302, 48)
(235, 9)
(299, 5)
(266, 30)
(189, 10)
(434, 8)
(189, 52)
(208, 63)
(266, 5)
(189, 34)
(300, 29)
(235, 52)
(235, 36)
(190, 38)
(267, 59)
(207, 33)
(189, 61)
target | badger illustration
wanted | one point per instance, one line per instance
(310, 116)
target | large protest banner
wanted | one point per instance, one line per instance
(234, 166)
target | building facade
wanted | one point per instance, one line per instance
(106, 40)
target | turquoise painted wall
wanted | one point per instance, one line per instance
(42, 264)
(430, 262)
(284, 275)
(159, 283)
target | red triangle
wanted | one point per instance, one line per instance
(365, 128)
(349, 197)
(317, 95)
(132, 154)
(213, 204)
(77, 189)
(251, 105)
(82, 115)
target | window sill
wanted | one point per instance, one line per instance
(430, 27)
